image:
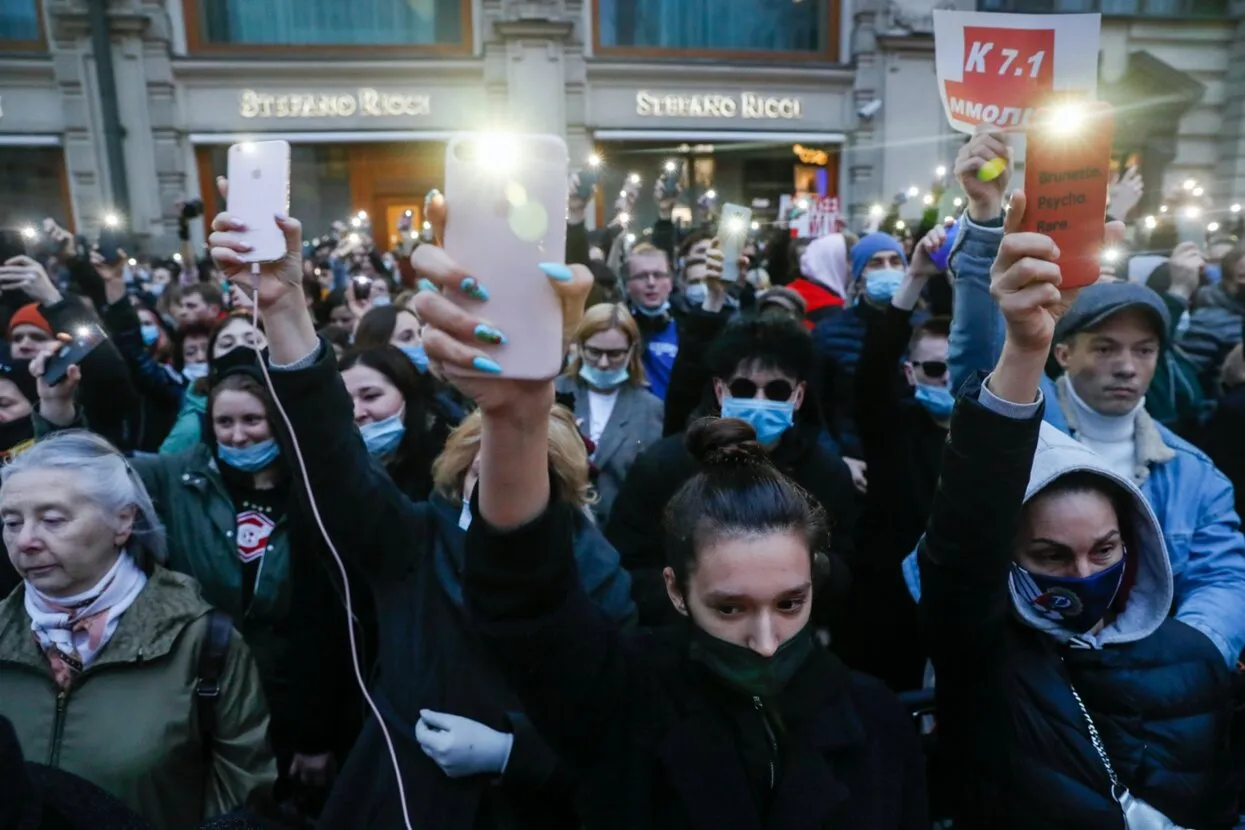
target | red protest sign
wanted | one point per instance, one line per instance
(996, 68)
(1004, 69)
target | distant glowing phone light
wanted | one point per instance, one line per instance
(29, 232)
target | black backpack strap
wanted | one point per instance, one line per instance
(211, 667)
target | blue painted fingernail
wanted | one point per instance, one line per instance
(426, 285)
(556, 271)
(432, 194)
(483, 364)
(472, 288)
(488, 334)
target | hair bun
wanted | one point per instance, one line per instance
(724, 441)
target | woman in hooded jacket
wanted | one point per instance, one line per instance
(1067, 697)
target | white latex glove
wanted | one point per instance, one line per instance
(461, 746)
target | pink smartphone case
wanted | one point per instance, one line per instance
(503, 222)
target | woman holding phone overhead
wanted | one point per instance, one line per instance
(467, 755)
(735, 720)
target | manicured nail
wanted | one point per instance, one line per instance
(472, 288)
(281, 217)
(488, 334)
(426, 285)
(483, 364)
(556, 271)
(432, 194)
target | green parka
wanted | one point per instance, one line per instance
(130, 722)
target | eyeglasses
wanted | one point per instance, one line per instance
(594, 355)
(647, 276)
(933, 368)
(775, 390)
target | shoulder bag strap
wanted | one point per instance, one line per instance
(211, 667)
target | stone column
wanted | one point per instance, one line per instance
(862, 156)
(536, 49)
(140, 36)
(1229, 179)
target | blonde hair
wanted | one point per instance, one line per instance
(604, 317)
(648, 249)
(568, 458)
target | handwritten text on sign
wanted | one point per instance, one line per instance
(996, 68)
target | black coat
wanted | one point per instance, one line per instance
(635, 525)
(655, 740)
(426, 656)
(1012, 739)
(903, 449)
(1223, 439)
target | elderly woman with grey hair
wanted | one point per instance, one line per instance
(112, 667)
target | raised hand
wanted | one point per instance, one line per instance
(922, 266)
(56, 403)
(1185, 266)
(1124, 193)
(1024, 281)
(450, 336)
(985, 197)
(25, 274)
(279, 282)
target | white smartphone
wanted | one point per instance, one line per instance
(733, 230)
(259, 189)
(506, 202)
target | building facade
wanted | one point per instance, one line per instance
(127, 106)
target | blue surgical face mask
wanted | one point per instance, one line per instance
(1076, 604)
(652, 312)
(383, 437)
(770, 419)
(604, 378)
(381, 301)
(250, 459)
(937, 400)
(880, 286)
(151, 333)
(696, 293)
(417, 356)
(194, 371)
(1212, 272)
(156, 288)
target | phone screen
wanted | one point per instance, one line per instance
(732, 234)
(110, 246)
(1067, 170)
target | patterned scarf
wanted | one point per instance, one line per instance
(71, 631)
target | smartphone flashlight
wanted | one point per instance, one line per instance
(29, 232)
(112, 220)
(735, 224)
(132, 262)
(356, 222)
(634, 178)
(497, 151)
(624, 218)
(711, 194)
(354, 238)
(1066, 119)
(1110, 255)
(670, 167)
(877, 211)
(594, 160)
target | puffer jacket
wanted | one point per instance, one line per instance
(1193, 500)
(130, 722)
(1214, 328)
(1015, 743)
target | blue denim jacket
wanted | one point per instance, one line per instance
(1191, 497)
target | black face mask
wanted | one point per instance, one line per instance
(15, 436)
(744, 670)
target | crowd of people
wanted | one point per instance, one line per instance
(856, 540)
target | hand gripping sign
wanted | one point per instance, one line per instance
(996, 68)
